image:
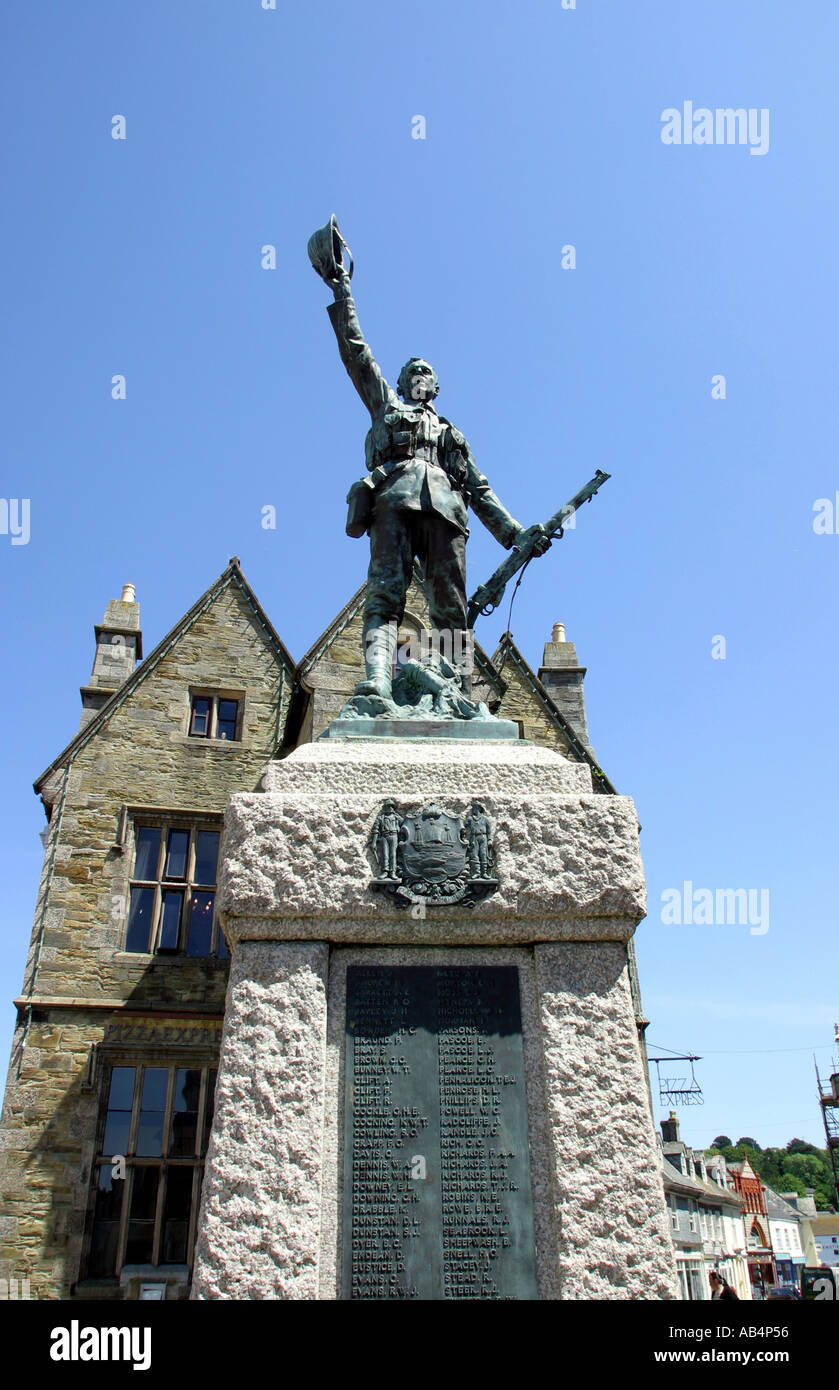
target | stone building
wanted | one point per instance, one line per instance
(109, 1100)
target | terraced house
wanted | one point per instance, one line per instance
(109, 1101)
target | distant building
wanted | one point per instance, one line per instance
(826, 1235)
(806, 1208)
(785, 1238)
(706, 1217)
(761, 1261)
(682, 1195)
(733, 1264)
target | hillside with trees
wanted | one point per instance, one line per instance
(793, 1169)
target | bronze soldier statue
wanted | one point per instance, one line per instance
(479, 836)
(421, 480)
(386, 838)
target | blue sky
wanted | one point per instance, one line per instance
(247, 127)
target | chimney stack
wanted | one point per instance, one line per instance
(562, 677)
(119, 646)
(670, 1129)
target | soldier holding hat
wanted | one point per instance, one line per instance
(421, 480)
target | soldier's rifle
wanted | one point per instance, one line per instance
(487, 597)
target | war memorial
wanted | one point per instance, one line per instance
(431, 1084)
(331, 992)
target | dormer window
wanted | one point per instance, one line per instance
(215, 716)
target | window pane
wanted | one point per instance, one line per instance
(103, 1250)
(206, 856)
(148, 851)
(170, 921)
(210, 1108)
(200, 722)
(176, 1215)
(139, 919)
(187, 1087)
(152, 1108)
(185, 1113)
(103, 1247)
(117, 1128)
(200, 924)
(109, 1193)
(140, 1245)
(121, 1093)
(176, 853)
(227, 712)
(144, 1193)
(155, 1085)
(150, 1134)
(118, 1121)
(223, 952)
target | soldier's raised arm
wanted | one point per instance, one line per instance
(364, 371)
(329, 254)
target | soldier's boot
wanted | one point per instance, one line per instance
(380, 637)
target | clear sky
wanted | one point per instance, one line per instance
(246, 127)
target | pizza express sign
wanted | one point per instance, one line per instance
(156, 1033)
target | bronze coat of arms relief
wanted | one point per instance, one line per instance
(434, 856)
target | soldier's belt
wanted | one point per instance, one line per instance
(421, 455)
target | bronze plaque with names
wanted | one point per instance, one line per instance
(437, 1190)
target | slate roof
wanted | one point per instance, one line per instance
(777, 1208)
(674, 1181)
(709, 1191)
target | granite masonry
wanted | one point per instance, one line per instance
(295, 887)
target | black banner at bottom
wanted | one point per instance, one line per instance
(59, 1338)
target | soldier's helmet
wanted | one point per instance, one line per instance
(403, 384)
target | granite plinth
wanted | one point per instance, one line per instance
(297, 860)
(299, 906)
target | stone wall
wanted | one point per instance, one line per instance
(78, 977)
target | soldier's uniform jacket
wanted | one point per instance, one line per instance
(417, 459)
(479, 828)
(388, 823)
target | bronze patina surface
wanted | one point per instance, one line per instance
(413, 502)
(437, 1188)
